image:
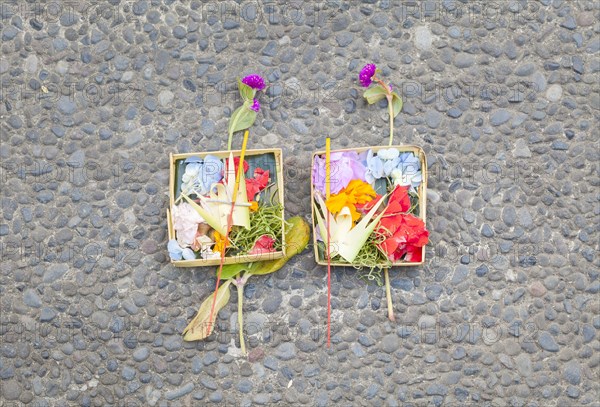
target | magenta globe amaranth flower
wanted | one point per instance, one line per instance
(366, 74)
(254, 81)
(255, 105)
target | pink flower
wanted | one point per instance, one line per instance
(263, 244)
(254, 81)
(185, 223)
(345, 166)
(366, 74)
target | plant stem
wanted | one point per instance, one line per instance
(240, 293)
(389, 98)
(391, 109)
(388, 294)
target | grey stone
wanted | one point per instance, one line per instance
(180, 392)
(572, 372)
(66, 105)
(524, 365)
(125, 199)
(460, 274)
(423, 38)
(272, 303)
(433, 118)
(464, 60)
(554, 93)
(173, 343)
(31, 298)
(244, 386)
(128, 373)
(47, 314)
(55, 272)
(509, 215)
(179, 32)
(344, 39)
(499, 117)
(525, 69)
(286, 351)
(11, 390)
(547, 342)
(390, 343)
(437, 390)
(589, 333)
(340, 22)
(521, 149)
(569, 22)
(165, 97)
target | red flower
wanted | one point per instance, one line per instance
(263, 244)
(399, 201)
(257, 184)
(236, 165)
(406, 235)
(253, 185)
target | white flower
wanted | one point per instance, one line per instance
(407, 177)
(388, 153)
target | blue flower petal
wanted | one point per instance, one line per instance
(188, 254)
(175, 251)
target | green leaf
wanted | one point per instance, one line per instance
(202, 325)
(375, 94)
(396, 103)
(246, 92)
(231, 270)
(241, 119)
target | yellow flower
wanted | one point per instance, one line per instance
(357, 192)
(253, 206)
(219, 243)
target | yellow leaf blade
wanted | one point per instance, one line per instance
(201, 326)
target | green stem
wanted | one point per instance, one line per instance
(388, 294)
(233, 123)
(240, 293)
(389, 98)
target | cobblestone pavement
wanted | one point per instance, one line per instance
(504, 98)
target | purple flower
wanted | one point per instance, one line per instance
(255, 105)
(254, 81)
(345, 166)
(366, 74)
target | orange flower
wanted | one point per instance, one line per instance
(219, 243)
(356, 193)
(253, 206)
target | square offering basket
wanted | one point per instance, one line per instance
(269, 159)
(421, 190)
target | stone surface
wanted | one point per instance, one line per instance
(504, 100)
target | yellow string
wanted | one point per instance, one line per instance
(327, 166)
(238, 176)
